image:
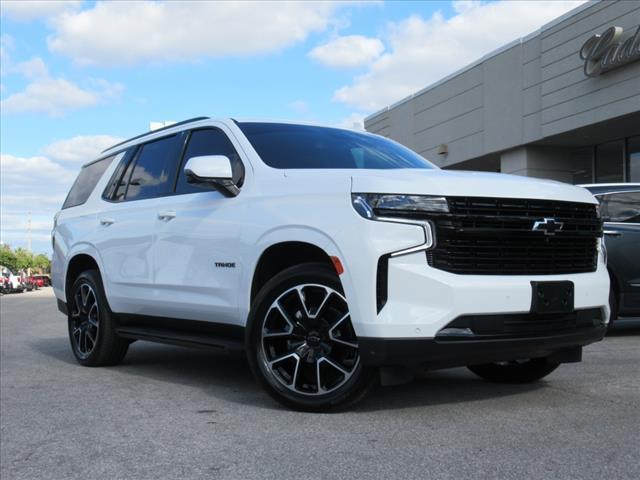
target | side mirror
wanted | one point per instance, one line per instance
(214, 171)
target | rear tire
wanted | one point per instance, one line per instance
(91, 323)
(519, 371)
(301, 345)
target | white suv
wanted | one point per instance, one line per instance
(334, 258)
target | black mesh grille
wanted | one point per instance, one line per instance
(494, 236)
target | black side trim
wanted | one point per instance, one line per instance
(62, 306)
(182, 332)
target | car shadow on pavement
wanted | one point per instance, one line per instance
(228, 378)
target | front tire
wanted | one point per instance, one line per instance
(91, 324)
(517, 371)
(301, 345)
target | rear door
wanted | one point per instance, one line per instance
(197, 251)
(621, 213)
(129, 219)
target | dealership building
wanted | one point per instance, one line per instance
(562, 103)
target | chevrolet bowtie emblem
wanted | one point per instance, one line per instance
(547, 225)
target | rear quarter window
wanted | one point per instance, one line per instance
(86, 182)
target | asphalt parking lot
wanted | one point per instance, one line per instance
(169, 412)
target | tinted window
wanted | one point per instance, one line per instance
(301, 146)
(117, 184)
(86, 182)
(620, 207)
(210, 141)
(154, 168)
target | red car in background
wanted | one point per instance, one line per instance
(42, 280)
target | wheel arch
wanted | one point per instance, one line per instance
(282, 255)
(78, 264)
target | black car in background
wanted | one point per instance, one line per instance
(620, 210)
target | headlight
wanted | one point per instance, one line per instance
(603, 248)
(373, 205)
(395, 208)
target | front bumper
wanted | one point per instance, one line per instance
(446, 352)
(422, 300)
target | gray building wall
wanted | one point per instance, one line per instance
(528, 91)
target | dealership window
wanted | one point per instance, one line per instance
(582, 163)
(610, 162)
(633, 157)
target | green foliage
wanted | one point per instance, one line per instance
(22, 259)
(41, 261)
(8, 259)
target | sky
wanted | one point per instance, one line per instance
(79, 76)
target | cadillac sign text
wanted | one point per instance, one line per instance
(606, 51)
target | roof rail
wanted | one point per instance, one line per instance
(183, 122)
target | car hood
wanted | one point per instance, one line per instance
(462, 183)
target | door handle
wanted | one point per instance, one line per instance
(613, 233)
(168, 215)
(107, 221)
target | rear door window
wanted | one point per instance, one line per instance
(86, 182)
(154, 169)
(623, 207)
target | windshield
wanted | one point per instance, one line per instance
(282, 145)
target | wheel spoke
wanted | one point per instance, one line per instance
(78, 304)
(334, 365)
(296, 369)
(284, 357)
(92, 339)
(322, 304)
(338, 340)
(303, 301)
(289, 331)
(84, 293)
(321, 389)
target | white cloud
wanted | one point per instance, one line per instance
(300, 107)
(31, 69)
(20, 172)
(31, 186)
(54, 96)
(348, 52)
(125, 33)
(423, 51)
(6, 43)
(354, 121)
(80, 149)
(27, 10)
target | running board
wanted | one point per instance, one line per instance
(184, 339)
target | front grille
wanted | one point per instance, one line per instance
(518, 325)
(494, 236)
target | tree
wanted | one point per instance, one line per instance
(24, 259)
(8, 259)
(42, 262)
